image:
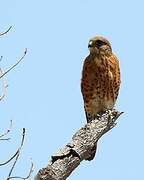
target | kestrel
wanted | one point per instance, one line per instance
(100, 81)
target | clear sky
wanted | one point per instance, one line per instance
(44, 90)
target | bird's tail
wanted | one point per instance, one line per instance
(89, 118)
(94, 149)
(93, 153)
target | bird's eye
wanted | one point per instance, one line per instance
(99, 43)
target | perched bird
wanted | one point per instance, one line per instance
(100, 81)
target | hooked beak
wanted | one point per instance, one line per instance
(90, 44)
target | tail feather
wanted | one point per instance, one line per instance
(94, 149)
(93, 153)
(89, 117)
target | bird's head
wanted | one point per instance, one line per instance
(98, 45)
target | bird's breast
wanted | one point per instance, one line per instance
(97, 84)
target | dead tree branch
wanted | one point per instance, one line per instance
(80, 148)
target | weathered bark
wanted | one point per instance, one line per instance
(80, 148)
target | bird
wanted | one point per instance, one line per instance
(100, 82)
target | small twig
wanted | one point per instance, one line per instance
(3, 33)
(2, 164)
(14, 64)
(4, 86)
(5, 139)
(24, 178)
(8, 130)
(17, 155)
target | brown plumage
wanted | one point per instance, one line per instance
(100, 79)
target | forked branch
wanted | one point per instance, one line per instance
(2, 74)
(16, 153)
(24, 178)
(15, 157)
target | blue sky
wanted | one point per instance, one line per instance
(44, 90)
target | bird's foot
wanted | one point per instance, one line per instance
(112, 113)
(100, 115)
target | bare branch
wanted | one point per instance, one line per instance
(8, 130)
(15, 157)
(10, 159)
(80, 148)
(4, 85)
(3, 33)
(17, 154)
(5, 139)
(24, 178)
(7, 71)
(6, 162)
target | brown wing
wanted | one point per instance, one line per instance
(85, 81)
(115, 69)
